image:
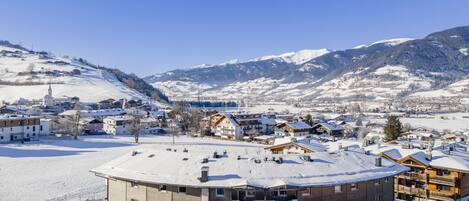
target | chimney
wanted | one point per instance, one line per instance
(378, 162)
(429, 153)
(204, 174)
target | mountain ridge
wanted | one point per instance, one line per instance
(383, 70)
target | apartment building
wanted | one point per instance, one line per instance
(116, 125)
(186, 175)
(436, 173)
(237, 126)
(19, 127)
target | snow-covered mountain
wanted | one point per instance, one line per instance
(383, 70)
(26, 74)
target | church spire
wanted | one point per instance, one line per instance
(50, 90)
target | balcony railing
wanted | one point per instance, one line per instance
(442, 195)
(446, 180)
(412, 191)
(414, 176)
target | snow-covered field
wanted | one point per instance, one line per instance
(52, 169)
(439, 122)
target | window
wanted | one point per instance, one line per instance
(133, 199)
(163, 188)
(386, 180)
(444, 188)
(40, 128)
(353, 187)
(220, 192)
(1, 137)
(338, 189)
(182, 189)
(250, 193)
(282, 193)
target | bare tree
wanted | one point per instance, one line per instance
(135, 124)
(135, 127)
(69, 125)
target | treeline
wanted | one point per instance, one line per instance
(25, 83)
(132, 81)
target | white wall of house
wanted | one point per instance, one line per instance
(111, 126)
(45, 127)
(19, 133)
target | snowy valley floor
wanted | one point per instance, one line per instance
(52, 169)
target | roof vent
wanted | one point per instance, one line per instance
(367, 152)
(151, 155)
(257, 161)
(169, 149)
(134, 153)
(204, 174)
(378, 162)
(185, 159)
(185, 150)
(205, 160)
(215, 155)
(280, 160)
(238, 157)
(307, 158)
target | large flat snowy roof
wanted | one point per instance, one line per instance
(184, 168)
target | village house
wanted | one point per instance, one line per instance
(329, 128)
(140, 175)
(293, 129)
(150, 125)
(19, 127)
(236, 126)
(96, 114)
(91, 126)
(117, 125)
(291, 145)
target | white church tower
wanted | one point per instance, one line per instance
(48, 99)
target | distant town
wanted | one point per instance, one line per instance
(246, 155)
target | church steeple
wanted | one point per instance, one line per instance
(50, 90)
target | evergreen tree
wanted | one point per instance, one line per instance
(393, 128)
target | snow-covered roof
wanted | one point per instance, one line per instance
(119, 118)
(456, 159)
(298, 125)
(15, 116)
(94, 113)
(305, 142)
(268, 121)
(330, 126)
(325, 169)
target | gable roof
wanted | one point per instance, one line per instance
(330, 126)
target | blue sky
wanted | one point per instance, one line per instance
(146, 37)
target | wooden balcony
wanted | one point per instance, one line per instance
(445, 180)
(413, 176)
(442, 195)
(412, 191)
